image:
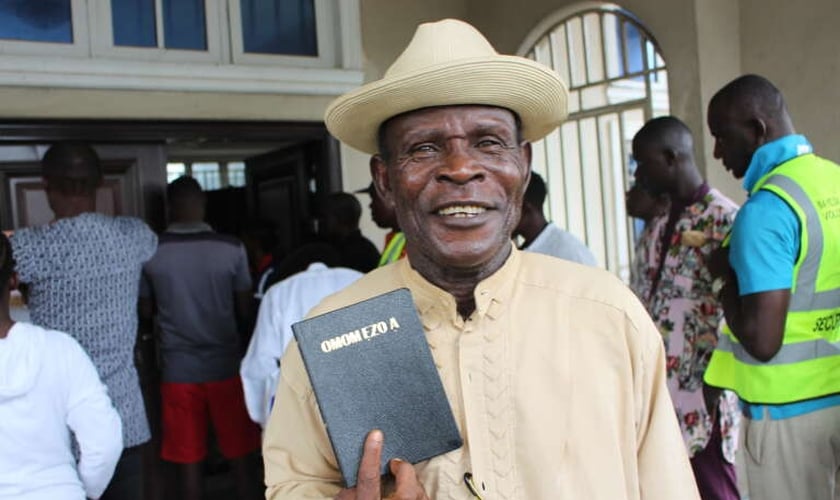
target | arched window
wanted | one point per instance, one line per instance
(617, 80)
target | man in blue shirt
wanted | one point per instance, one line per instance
(790, 395)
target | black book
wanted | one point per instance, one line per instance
(371, 368)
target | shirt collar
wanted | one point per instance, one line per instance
(189, 227)
(434, 304)
(678, 207)
(772, 154)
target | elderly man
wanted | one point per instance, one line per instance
(555, 373)
(781, 297)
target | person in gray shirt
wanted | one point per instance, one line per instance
(545, 237)
(199, 282)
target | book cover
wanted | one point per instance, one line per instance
(371, 368)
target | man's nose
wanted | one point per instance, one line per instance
(718, 154)
(460, 165)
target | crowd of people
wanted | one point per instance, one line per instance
(563, 381)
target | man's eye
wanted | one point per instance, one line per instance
(489, 143)
(423, 150)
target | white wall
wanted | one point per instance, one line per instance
(796, 45)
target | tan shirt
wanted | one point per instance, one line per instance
(556, 381)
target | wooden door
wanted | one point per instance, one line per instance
(283, 188)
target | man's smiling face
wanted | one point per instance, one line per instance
(456, 176)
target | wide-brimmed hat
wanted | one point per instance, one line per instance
(450, 63)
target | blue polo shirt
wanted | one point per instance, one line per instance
(765, 234)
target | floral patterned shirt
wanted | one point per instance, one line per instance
(687, 312)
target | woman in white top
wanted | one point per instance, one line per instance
(48, 389)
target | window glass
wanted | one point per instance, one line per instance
(633, 47)
(175, 170)
(207, 174)
(596, 51)
(133, 23)
(36, 20)
(184, 25)
(279, 27)
(236, 174)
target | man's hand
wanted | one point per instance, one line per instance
(369, 485)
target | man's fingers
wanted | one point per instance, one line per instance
(408, 486)
(367, 481)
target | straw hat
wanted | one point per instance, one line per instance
(449, 63)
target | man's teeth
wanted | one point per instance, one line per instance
(462, 211)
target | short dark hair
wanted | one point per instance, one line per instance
(536, 192)
(72, 168)
(667, 132)
(183, 188)
(753, 92)
(7, 261)
(663, 126)
(344, 208)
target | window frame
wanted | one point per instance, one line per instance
(42, 64)
(591, 203)
(326, 26)
(102, 38)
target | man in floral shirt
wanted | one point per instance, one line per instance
(671, 277)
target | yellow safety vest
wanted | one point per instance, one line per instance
(808, 364)
(393, 250)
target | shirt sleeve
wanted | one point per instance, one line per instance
(28, 254)
(94, 421)
(242, 276)
(144, 238)
(664, 469)
(765, 244)
(260, 366)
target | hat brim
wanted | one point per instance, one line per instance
(531, 90)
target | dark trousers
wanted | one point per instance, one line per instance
(127, 482)
(715, 476)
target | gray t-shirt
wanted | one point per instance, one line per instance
(193, 279)
(562, 244)
(83, 275)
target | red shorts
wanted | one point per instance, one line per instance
(186, 409)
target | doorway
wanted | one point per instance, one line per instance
(288, 168)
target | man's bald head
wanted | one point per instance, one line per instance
(745, 114)
(664, 154)
(753, 97)
(72, 168)
(667, 132)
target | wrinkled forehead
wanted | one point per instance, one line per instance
(460, 110)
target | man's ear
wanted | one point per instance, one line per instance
(526, 156)
(759, 129)
(671, 157)
(381, 180)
